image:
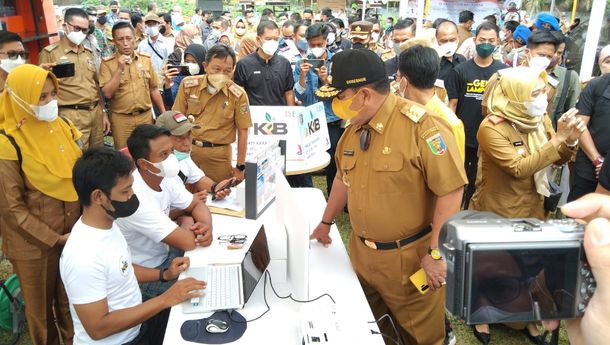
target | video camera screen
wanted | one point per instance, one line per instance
(510, 285)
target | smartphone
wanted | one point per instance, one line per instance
(315, 63)
(182, 70)
(420, 280)
(63, 70)
(229, 184)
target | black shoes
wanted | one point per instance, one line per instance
(482, 337)
(537, 339)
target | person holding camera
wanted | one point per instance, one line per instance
(517, 148)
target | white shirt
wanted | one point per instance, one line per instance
(191, 171)
(147, 227)
(161, 47)
(96, 264)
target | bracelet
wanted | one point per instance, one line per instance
(328, 223)
(161, 271)
(597, 161)
(572, 145)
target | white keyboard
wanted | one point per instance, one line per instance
(222, 290)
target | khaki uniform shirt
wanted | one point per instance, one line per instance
(31, 221)
(441, 110)
(392, 187)
(137, 80)
(219, 114)
(82, 88)
(463, 34)
(505, 178)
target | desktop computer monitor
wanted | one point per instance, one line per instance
(289, 213)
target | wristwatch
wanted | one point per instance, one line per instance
(435, 253)
(240, 167)
(161, 271)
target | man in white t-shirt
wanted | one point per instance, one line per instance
(96, 268)
(153, 238)
(180, 127)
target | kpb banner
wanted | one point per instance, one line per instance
(303, 128)
(450, 9)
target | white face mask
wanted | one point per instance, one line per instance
(47, 112)
(77, 37)
(240, 31)
(375, 36)
(332, 37)
(447, 49)
(318, 52)
(396, 48)
(170, 167)
(539, 62)
(270, 47)
(537, 107)
(491, 314)
(502, 36)
(197, 40)
(152, 31)
(193, 68)
(8, 65)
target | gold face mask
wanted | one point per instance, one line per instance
(341, 107)
(218, 80)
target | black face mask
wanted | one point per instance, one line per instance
(102, 20)
(91, 29)
(162, 29)
(358, 45)
(123, 209)
(114, 10)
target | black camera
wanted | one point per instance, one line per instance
(514, 270)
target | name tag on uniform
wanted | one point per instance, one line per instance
(518, 143)
(348, 152)
(256, 72)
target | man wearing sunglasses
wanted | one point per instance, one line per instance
(12, 54)
(79, 94)
(400, 173)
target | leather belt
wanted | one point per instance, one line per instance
(84, 106)
(135, 113)
(202, 143)
(397, 243)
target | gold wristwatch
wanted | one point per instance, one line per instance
(435, 253)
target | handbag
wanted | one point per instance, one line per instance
(551, 201)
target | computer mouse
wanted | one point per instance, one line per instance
(217, 326)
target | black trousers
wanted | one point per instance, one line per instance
(470, 165)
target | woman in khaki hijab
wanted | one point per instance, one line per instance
(517, 146)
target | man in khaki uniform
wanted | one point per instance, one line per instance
(360, 35)
(401, 175)
(221, 108)
(79, 95)
(128, 79)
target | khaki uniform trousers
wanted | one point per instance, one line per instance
(384, 277)
(45, 299)
(88, 122)
(123, 124)
(214, 161)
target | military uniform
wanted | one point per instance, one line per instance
(219, 114)
(131, 104)
(78, 96)
(392, 189)
(505, 178)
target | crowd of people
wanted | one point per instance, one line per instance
(106, 170)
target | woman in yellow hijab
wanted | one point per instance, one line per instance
(38, 203)
(517, 146)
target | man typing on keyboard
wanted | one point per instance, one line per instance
(96, 266)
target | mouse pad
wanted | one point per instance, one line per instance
(194, 330)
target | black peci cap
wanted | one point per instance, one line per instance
(352, 68)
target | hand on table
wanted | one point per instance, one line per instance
(203, 234)
(321, 233)
(182, 290)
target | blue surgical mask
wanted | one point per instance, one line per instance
(181, 155)
(302, 45)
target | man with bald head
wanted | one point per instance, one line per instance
(447, 40)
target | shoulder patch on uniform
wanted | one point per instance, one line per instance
(50, 47)
(495, 119)
(413, 112)
(191, 82)
(436, 144)
(236, 90)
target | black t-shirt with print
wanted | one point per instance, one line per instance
(466, 83)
